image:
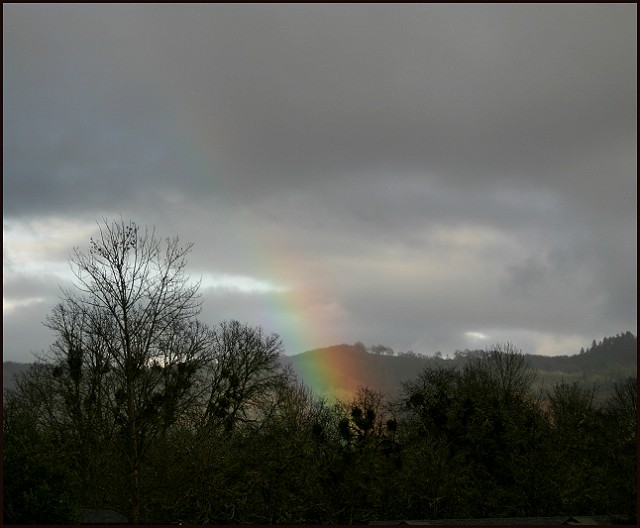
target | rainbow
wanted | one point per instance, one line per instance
(333, 373)
(299, 313)
(330, 372)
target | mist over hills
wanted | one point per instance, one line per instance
(337, 371)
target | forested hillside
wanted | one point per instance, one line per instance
(599, 366)
(340, 370)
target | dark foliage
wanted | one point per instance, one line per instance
(36, 485)
(471, 442)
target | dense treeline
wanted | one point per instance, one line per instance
(471, 443)
(139, 407)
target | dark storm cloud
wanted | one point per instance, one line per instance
(499, 141)
(474, 95)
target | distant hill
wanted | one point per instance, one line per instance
(600, 365)
(9, 370)
(338, 371)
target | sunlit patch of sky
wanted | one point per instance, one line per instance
(9, 305)
(35, 252)
(479, 336)
(553, 345)
(239, 283)
(28, 247)
(41, 246)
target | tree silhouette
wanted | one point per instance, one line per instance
(127, 339)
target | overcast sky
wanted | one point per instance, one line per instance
(427, 177)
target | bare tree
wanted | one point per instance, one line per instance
(623, 406)
(505, 368)
(243, 369)
(128, 344)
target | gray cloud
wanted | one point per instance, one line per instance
(432, 170)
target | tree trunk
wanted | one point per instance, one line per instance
(134, 457)
(134, 463)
